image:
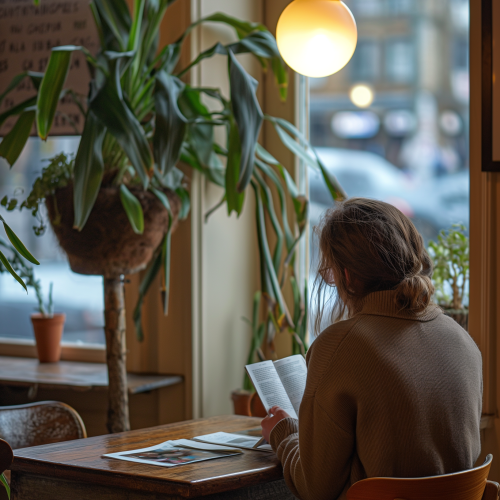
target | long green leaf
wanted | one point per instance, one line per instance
(133, 209)
(234, 197)
(6, 263)
(5, 484)
(88, 170)
(248, 117)
(171, 125)
(17, 109)
(18, 244)
(51, 88)
(13, 143)
(266, 255)
(115, 23)
(269, 206)
(271, 174)
(149, 277)
(166, 249)
(110, 107)
(36, 78)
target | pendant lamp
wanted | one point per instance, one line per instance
(317, 37)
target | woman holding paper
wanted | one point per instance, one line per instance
(394, 387)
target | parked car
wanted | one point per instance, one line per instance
(432, 205)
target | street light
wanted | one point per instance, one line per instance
(317, 37)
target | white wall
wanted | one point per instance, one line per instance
(225, 259)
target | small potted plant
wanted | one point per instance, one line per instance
(48, 327)
(450, 255)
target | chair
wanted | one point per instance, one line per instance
(34, 424)
(466, 485)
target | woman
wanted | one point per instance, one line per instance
(394, 387)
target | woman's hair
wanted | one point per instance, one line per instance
(367, 246)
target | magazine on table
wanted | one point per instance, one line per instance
(236, 440)
(174, 453)
(280, 383)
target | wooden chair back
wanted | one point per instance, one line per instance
(465, 485)
(35, 424)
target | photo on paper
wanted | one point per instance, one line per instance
(173, 456)
(173, 453)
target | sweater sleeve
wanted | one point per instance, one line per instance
(315, 451)
(317, 466)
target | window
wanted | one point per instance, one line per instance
(367, 8)
(417, 156)
(365, 64)
(79, 297)
(399, 60)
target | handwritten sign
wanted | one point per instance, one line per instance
(27, 35)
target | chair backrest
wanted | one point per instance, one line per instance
(465, 485)
(6, 456)
(491, 491)
(34, 424)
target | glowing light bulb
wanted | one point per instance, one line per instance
(362, 96)
(317, 37)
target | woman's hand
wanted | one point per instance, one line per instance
(276, 414)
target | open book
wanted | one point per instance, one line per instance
(234, 440)
(280, 383)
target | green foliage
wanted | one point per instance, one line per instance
(450, 255)
(15, 263)
(140, 119)
(56, 175)
(5, 484)
(18, 248)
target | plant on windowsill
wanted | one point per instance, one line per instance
(47, 326)
(125, 194)
(450, 254)
(246, 401)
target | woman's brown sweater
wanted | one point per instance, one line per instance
(388, 394)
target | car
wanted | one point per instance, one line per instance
(433, 204)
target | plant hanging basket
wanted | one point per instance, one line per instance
(107, 245)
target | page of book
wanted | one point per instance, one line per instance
(292, 372)
(174, 453)
(236, 440)
(269, 387)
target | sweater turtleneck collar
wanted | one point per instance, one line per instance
(384, 304)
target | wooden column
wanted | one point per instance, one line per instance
(116, 355)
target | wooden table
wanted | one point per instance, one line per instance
(73, 375)
(75, 470)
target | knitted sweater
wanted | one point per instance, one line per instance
(389, 394)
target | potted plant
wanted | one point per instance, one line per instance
(450, 254)
(47, 326)
(246, 401)
(122, 195)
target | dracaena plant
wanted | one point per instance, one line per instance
(12, 255)
(142, 119)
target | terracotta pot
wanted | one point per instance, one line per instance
(107, 245)
(48, 335)
(241, 402)
(256, 407)
(461, 316)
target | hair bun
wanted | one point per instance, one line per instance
(414, 292)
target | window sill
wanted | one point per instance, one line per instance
(90, 353)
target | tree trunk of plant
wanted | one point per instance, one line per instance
(114, 318)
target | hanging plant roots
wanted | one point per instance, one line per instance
(107, 245)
